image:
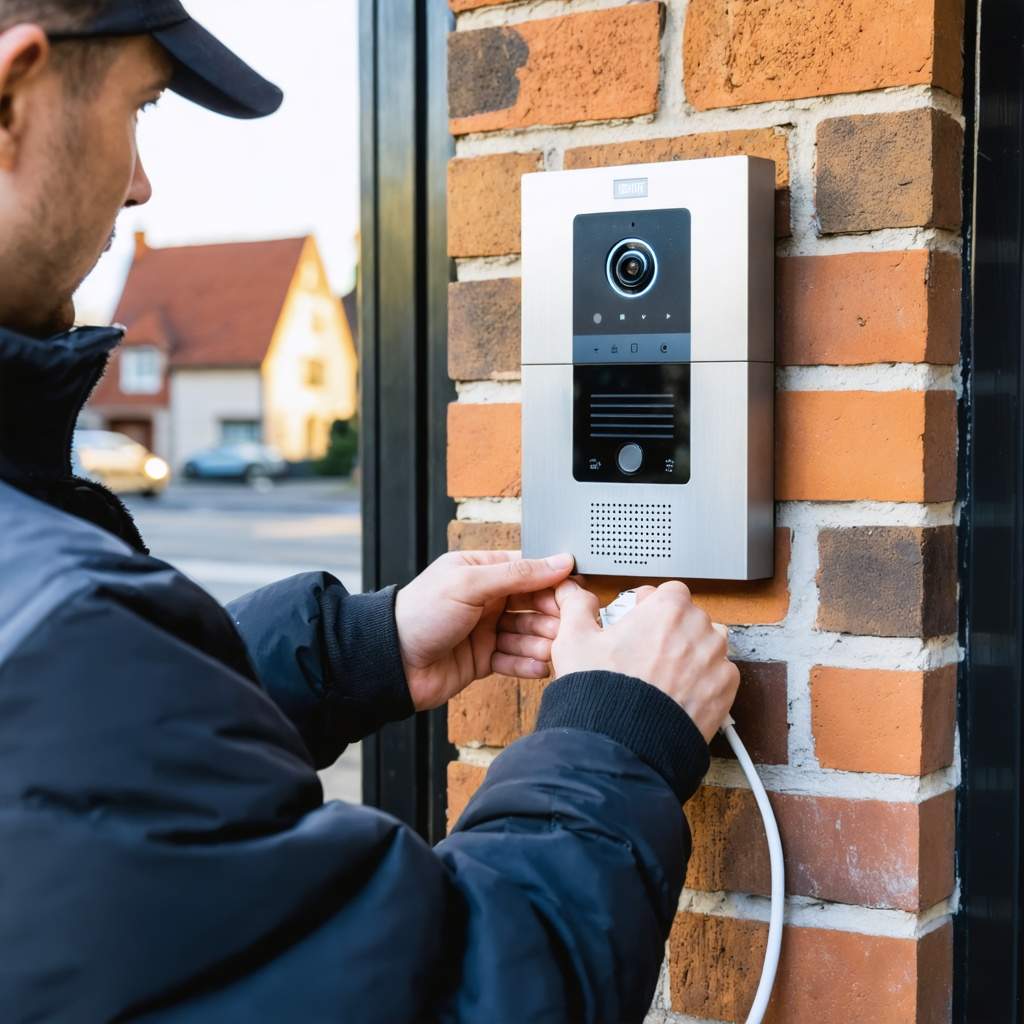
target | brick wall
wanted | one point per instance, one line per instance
(848, 656)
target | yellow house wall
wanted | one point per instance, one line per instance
(297, 417)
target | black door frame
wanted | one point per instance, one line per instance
(404, 275)
(990, 827)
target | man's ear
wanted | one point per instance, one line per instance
(24, 54)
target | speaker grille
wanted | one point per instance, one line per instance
(633, 416)
(630, 532)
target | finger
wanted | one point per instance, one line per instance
(642, 593)
(481, 583)
(675, 589)
(531, 623)
(722, 631)
(536, 647)
(521, 668)
(541, 601)
(579, 607)
(488, 557)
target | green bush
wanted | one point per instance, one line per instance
(342, 449)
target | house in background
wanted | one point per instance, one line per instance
(237, 342)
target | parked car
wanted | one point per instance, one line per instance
(246, 460)
(119, 462)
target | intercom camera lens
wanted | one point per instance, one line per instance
(632, 267)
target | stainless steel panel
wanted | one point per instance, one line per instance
(719, 525)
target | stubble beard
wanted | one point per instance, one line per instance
(52, 243)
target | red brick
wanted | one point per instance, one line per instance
(580, 67)
(485, 713)
(530, 693)
(857, 445)
(483, 450)
(728, 602)
(825, 976)
(888, 580)
(868, 307)
(484, 329)
(761, 713)
(758, 52)
(770, 143)
(865, 852)
(484, 203)
(463, 781)
(878, 720)
(464, 536)
(889, 171)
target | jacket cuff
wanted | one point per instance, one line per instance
(635, 714)
(365, 674)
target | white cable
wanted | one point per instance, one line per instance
(623, 604)
(771, 831)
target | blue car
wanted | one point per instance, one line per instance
(246, 461)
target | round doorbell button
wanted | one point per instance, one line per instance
(631, 458)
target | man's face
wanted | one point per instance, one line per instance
(75, 166)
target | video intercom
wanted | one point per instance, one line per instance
(648, 367)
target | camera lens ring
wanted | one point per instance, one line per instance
(622, 250)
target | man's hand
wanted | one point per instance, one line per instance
(665, 640)
(472, 613)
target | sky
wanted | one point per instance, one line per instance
(220, 180)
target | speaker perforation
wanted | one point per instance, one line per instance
(631, 532)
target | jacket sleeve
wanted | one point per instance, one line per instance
(330, 660)
(174, 862)
(570, 858)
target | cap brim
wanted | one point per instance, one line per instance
(208, 73)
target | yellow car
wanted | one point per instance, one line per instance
(119, 463)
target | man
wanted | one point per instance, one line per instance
(165, 854)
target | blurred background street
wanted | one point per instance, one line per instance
(232, 538)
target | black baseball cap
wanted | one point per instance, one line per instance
(205, 70)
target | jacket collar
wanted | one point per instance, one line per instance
(43, 386)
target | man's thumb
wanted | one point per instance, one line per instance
(578, 607)
(518, 576)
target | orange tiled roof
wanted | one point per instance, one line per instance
(149, 328)
(219, 303)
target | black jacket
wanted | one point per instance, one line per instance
(165, 854)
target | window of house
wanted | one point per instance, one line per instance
(314, 373)
(240, 431)
(141, 370)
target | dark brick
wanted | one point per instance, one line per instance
(484, 329)
(760, 711)
(888, 581)
(888, 171)
(482, 69)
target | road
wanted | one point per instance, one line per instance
(231, 538)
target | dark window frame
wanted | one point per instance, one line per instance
(990, 825)
(404, 275)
